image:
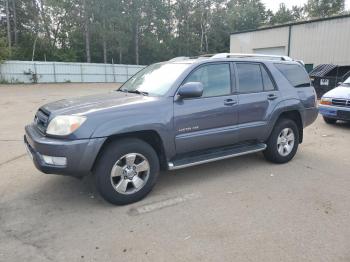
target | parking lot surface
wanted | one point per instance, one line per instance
(240, 209)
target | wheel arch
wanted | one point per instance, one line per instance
(296, 116)
(151, 137)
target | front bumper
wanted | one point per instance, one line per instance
(335, 112)
(80, 154)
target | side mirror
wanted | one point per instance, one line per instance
(190, 90)
(339, 83)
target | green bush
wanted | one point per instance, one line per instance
(4, 50)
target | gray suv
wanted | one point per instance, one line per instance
(175, 114)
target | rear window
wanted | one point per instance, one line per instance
(295, 74)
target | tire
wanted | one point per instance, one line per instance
(121, 166)
(278, 143)
(329, 121)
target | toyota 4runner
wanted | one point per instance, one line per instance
(175, 114)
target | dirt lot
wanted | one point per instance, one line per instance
(242, 209)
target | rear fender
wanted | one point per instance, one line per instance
(283, 108)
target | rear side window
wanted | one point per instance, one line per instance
(295, 74)
(249, 78)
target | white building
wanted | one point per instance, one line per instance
(320, 41)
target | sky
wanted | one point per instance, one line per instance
(274, 4)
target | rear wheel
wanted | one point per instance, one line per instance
(283, 142)
(126, 171)
(329, 120)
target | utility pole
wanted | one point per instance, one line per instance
(137, 41)
(8, 25)
(104, 42)
(15, 21)
(87, 32)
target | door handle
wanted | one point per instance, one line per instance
(272, 97)
(230, 102)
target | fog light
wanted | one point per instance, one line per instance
(55, 161)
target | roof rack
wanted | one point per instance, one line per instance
(238, 55)
(203, 56)
(179, 58)
(257, 56)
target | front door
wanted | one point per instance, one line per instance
(258, 96)
(211, 120)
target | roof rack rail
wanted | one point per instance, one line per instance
(238, 55)
(202, 56)
(256, 56)
(179, 58)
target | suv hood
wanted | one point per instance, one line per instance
(88, 104)
(339, 92)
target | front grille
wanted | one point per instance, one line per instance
(41, 120)
(341, 102)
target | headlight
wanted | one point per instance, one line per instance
(326, 101)
(64, 125)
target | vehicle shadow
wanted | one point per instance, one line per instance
(206, 173)
(342, 124)
(72, 193)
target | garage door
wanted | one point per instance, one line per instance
(278, 50)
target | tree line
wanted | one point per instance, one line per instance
(136, 31)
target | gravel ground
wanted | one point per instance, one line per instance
(242, 209)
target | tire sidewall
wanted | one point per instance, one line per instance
(272, 143)
(110, 156)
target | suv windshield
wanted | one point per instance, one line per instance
(155, 79)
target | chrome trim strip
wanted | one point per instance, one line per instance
(171, 165)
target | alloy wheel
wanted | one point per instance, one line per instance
(285, 142)
(130, 173)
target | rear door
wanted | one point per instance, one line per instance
(258, 97)
(211, 120)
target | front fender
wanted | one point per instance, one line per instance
(136, 120)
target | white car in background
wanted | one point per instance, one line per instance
(335, 104)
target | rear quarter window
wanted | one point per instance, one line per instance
(295, 74)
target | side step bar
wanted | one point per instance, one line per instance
(214, 155)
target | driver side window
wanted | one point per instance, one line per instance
(215, 78)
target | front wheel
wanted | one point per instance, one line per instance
(126, 171)
(283, 142)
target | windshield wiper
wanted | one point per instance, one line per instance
(136, 92)
(303, 85)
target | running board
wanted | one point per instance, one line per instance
(214, 155)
